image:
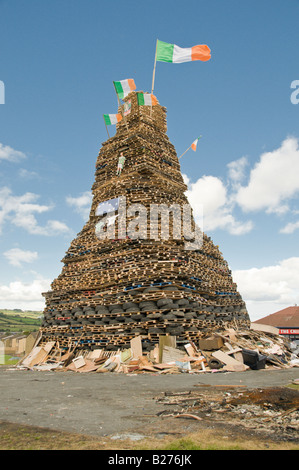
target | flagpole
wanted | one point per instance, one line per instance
(121, 110)
(185, 152)
(106, 127)
(154, 71)
(189, 147)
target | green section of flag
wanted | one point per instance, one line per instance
(140, 98)
(107, 119)
(119, 89)
(164, 51)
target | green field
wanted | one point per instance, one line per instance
(12, 321)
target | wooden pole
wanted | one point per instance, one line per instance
(106, 127)
(154, 71)
(185, 152)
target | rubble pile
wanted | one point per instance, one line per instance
(225, 350)
(273, 410)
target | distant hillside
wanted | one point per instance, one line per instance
(17, 320)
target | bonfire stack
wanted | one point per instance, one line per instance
(112, 290)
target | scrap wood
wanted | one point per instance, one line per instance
(187, 415)
(79, 362)
(190, 349)
(171, 354)
(136, 346)
(163, 366)
(182, 415)
(231, 364)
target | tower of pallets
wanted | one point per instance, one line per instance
(131, 283)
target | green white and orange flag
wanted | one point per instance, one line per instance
(124, 87)
(194, 144)
(112, 118)
(172, 53)
(146, 99)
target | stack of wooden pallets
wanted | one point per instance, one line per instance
(113, 289)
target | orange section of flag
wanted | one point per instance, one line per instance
(201, 52)
(131, 84)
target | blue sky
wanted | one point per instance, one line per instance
(58, 61)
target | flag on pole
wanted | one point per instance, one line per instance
(172, 53)
(146, 99)
(112, 118)
(124, 87)
(194, 144)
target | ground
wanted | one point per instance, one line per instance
(65, 410)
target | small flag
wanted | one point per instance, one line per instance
(175, 54)
(127, 107)
(194, 144)
(112, 118)
(124, 87)
(146, 99)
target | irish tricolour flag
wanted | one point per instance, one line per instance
(112, 118)
(146, 99)
(194, 144)
(172, 53)
(124, 87)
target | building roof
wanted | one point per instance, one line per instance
(286, 318)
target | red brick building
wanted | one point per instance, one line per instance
(286, 320)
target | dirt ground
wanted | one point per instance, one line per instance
(129, 408)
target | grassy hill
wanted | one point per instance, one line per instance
(12, 321)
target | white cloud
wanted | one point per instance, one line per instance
(21, 210)
(208, 195)
(273, 184)
(276, 286)
(81, 204)
(16, 256)
(290, 227)
(23, 295)
(273, 180)
(26, 174)
(236, 169)
(9, 154)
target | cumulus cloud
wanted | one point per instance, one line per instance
(23, 295)
(236, 169)
(20, 211)
(273, 184)
(277, 284)
(81, 204)
(9, 154)
(290, 227)
(273, 180)
(209, 196)
(16, 256)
